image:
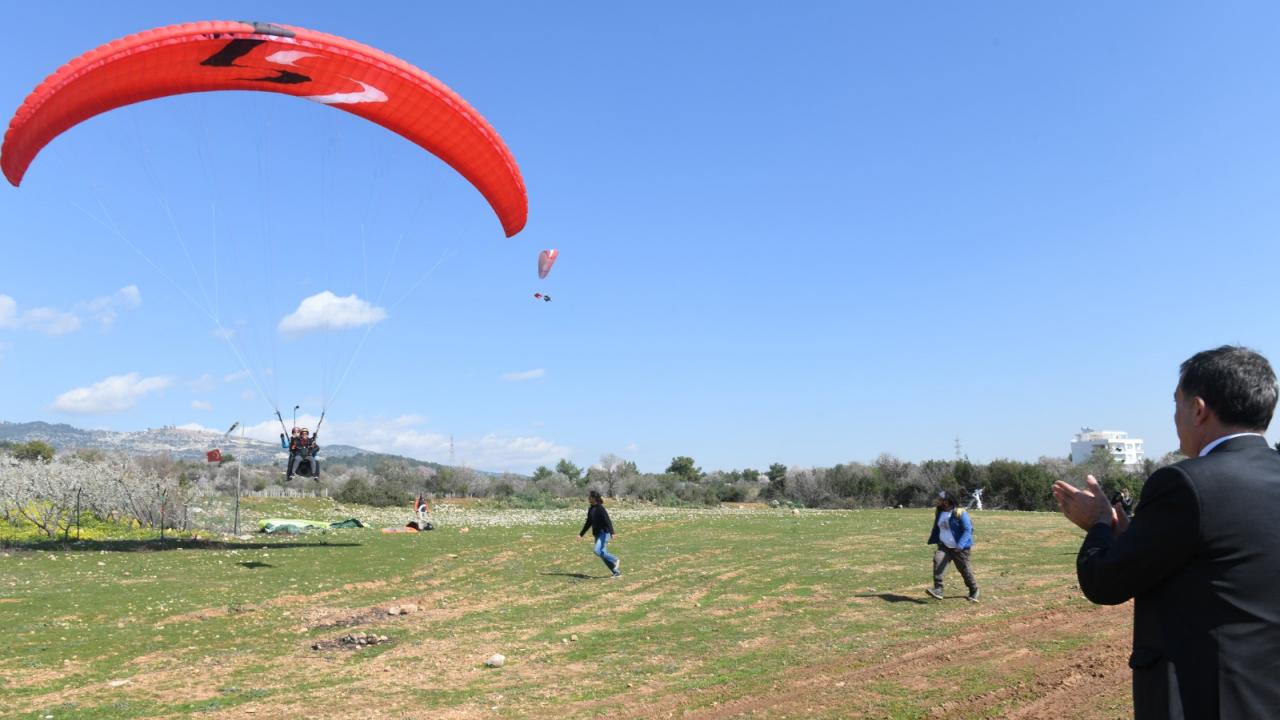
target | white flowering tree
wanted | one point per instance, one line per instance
(45, 493)
(50, 494)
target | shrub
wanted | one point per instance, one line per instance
(358, 491)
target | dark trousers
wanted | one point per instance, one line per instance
(295, 461)
(1155, 691)
(945, 555)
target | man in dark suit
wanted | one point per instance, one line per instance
(1201, 556)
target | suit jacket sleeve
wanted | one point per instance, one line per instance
(1161, 538)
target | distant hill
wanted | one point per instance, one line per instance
(178, 443)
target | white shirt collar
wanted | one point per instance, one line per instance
(1208, 448)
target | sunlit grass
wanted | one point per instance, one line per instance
(713, 604)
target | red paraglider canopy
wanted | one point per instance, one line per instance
(207, 56)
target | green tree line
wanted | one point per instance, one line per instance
(887, 481)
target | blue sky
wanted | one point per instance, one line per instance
(804, 233)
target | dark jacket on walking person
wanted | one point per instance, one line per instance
(1199, 556)
(602, 530)
(953, 534)
(597, 521)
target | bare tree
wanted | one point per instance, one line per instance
(614, 471)
(806, 487)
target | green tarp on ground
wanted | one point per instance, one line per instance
(293, 526)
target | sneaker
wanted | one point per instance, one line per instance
(935, 592)
(973, 596)
(617, 564)
(616, 575)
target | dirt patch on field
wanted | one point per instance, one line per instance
(28, 677)
(1041, 684)
(196, 616)
(1033, 666)
(175, 682)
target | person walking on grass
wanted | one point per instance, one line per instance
(953, 534)
(601, 529)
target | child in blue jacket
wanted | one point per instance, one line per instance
(953, 534)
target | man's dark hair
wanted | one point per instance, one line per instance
(1235, 382)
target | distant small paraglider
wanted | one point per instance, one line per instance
(546, 259)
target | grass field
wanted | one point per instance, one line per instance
(720, 613)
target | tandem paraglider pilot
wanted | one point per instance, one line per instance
(1199, 558)
(303, 454)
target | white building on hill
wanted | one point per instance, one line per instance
(1122, 447)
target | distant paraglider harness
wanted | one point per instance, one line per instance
(975, 503)
(304, 453)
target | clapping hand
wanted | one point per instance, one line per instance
(1088, 506)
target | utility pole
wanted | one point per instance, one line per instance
(235, 529)
(451, 463)
(959, 453)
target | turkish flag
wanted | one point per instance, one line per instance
(214, 455)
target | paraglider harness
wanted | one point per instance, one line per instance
(303, 451)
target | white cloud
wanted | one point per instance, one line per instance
(8, 312)
(269, 430)
(52, 321)
(236, 376)
(201, 405)
(493, 451)
(203, 384)
(524, 375)
(501, 452)
(328, 311)
(49, 321)
(248, 395)
(632, 448)
(197, 427)
(115, 394)
(106, 309)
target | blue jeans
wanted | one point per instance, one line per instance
(602, 549)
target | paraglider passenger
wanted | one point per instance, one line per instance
(304, 449)
(601, 529)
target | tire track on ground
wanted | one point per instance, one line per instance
(839, 688)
